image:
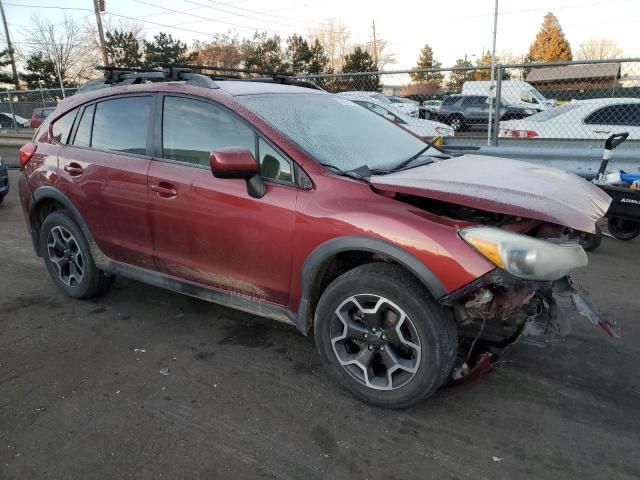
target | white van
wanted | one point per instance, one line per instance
(513, 92)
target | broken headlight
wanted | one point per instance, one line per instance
(523, 256)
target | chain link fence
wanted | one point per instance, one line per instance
(19, 108)
(557, 104)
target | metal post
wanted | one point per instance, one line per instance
(12, 59)
(493, 66)
(103, 48)
(496, 124)
(13, 113)
(41, 94)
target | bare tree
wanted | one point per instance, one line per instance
(66, 44)
(598, 48)
(385, 56)
(334, 36)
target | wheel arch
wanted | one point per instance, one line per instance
(47, 199)
(317, 274)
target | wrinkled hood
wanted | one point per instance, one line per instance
(504, 186)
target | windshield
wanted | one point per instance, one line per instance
(334, 130)
(379, 96)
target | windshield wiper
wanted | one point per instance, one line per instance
(360, 173)
(408, 161)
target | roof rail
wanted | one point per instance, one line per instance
(118, 76)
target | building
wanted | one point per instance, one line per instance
(597, 76)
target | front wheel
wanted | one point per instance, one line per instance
(383, 336)
(623, 229)
(590, 241)
(457, 123)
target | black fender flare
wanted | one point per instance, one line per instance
(51, 193)
(357, 243)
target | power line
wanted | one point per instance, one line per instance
(267, 14)
(206, 18)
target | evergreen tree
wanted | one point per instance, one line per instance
(263, 52)
(165, 50)
(550, 44)
(298, 54)
(318, 59)
(458, 77)
(426, 60)
(359, 60)
(6, 75)
(41, 73)
(123, 49)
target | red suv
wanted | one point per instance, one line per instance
(411, 266)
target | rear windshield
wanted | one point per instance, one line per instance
(552, 112)
(334, 130)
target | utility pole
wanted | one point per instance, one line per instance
(375, 44)
(98, 6)
(16, 78)
(496, 101)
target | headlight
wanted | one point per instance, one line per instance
(444, 131)
(525, 257)
(530, 111)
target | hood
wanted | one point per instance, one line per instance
(504, 186)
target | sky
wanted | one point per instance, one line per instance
(453, 27)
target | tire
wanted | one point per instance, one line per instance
(68, 258)
(590, 241)
(457, 123)
(623, 229)
(411, 327)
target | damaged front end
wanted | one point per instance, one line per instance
(499, 309)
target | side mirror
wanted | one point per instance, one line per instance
(390, 117)
(526, 97)
(238, 162)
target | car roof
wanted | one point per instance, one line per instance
(607, 101)
(236, 87)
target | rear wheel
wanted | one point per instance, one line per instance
(623, 229)
(68, 258)
(383, 337)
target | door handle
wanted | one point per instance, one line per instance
(601, 131)
(74, 169)
(164, 190)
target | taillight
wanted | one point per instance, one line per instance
(26, 153)
(524, 133)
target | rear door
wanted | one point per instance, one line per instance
(209, 230)
(103, 171)
(476, 110)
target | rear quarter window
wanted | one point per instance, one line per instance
(62, 126)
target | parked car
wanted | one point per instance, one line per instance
(4, 181)
(39, 114)
(465, 111)
(429, 107)
(410, 266)
(590, 119)
(426, 129)
(405, 105)
(409, 107)
(6, 121)
(516, 93)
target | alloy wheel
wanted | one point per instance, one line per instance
(375, 341)
(65, 255)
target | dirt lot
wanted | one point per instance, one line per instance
(246, 397)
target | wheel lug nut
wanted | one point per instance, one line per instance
(370, 347)
(381, 347)
(374, 329)
(384, 337)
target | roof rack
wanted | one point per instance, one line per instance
(119, 76)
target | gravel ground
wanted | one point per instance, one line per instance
(82, 396)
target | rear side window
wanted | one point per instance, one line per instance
(474, 101)
(83, 132)
(62, 126)
(450, 100)
(121, 125)
(625, 114)
(192, 129)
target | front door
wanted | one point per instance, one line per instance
(209, 230)
(103, 171)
